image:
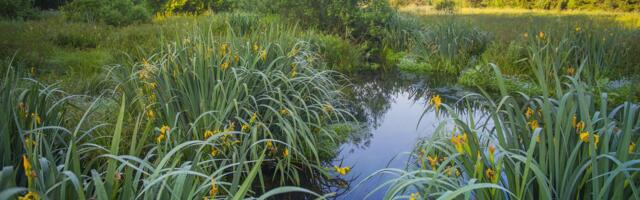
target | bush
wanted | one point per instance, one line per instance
(49, 4)
(117, 12)
(338, 53)
(448, 6)
(358, 19)
(191, 6)
(17, 9)
(400, 3)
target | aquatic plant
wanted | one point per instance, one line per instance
(562, 144)
(206, 116)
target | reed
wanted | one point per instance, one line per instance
(565, 143)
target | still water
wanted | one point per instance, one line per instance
(395, 134)
(392, 106)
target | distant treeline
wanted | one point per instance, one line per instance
(621, 5)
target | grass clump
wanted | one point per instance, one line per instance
(117, 12)
(13, 9)
(469, 42)
(449, 48)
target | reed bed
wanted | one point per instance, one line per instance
(563, 144)
(211, 115)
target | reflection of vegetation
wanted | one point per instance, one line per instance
(371, 96)
(566, 143)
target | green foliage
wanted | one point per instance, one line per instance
(117, 12)
(270, 108)
(73, 38)
(340, 54)
(482, 77)
(400, 3)
(18, 9)
(509, 56)
(391, 57)
(401, 33)
(563, 144)
(82, 63)
(410, 63)
(191, 6)
(49, 4)
(450, 47)
(448, 6)
(357, 19)
(621, 5)
(598, 48)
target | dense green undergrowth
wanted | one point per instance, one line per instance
(56, 50)
(467, 46)
(200, 117)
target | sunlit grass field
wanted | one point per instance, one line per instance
(466, 42)
(631, 20)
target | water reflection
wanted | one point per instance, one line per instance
(392, 104)
(372, 94)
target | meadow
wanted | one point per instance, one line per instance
(251, 100)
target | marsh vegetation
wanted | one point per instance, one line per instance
(329, 99)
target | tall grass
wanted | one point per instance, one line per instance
(464, 45)
(212, 115)
(566, 143)
(448, 47)
(271, 90)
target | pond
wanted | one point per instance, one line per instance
(393, 105)
(393, 110)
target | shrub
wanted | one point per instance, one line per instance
(50, 4)
(358, 19)
(338, 53)
(116, 12)
(17, 9)
(400, 3)
(448, 6)
(191, 6)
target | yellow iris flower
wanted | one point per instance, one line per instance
(584, 136)
(31, 195)
(433, 161)
(342, 170)
(436, 101)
